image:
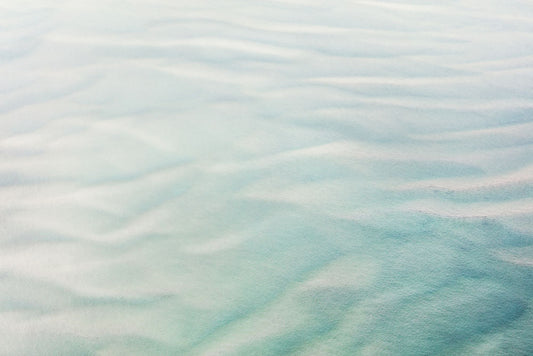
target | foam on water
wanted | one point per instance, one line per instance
(266, 177)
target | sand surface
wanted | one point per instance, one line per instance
(280, 177)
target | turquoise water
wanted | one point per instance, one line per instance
(266, 177)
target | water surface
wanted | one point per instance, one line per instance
(266, 177)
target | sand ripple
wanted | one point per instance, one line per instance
(266, 177)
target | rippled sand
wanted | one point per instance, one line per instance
(280, 177)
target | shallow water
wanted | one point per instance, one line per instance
(266, 177)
